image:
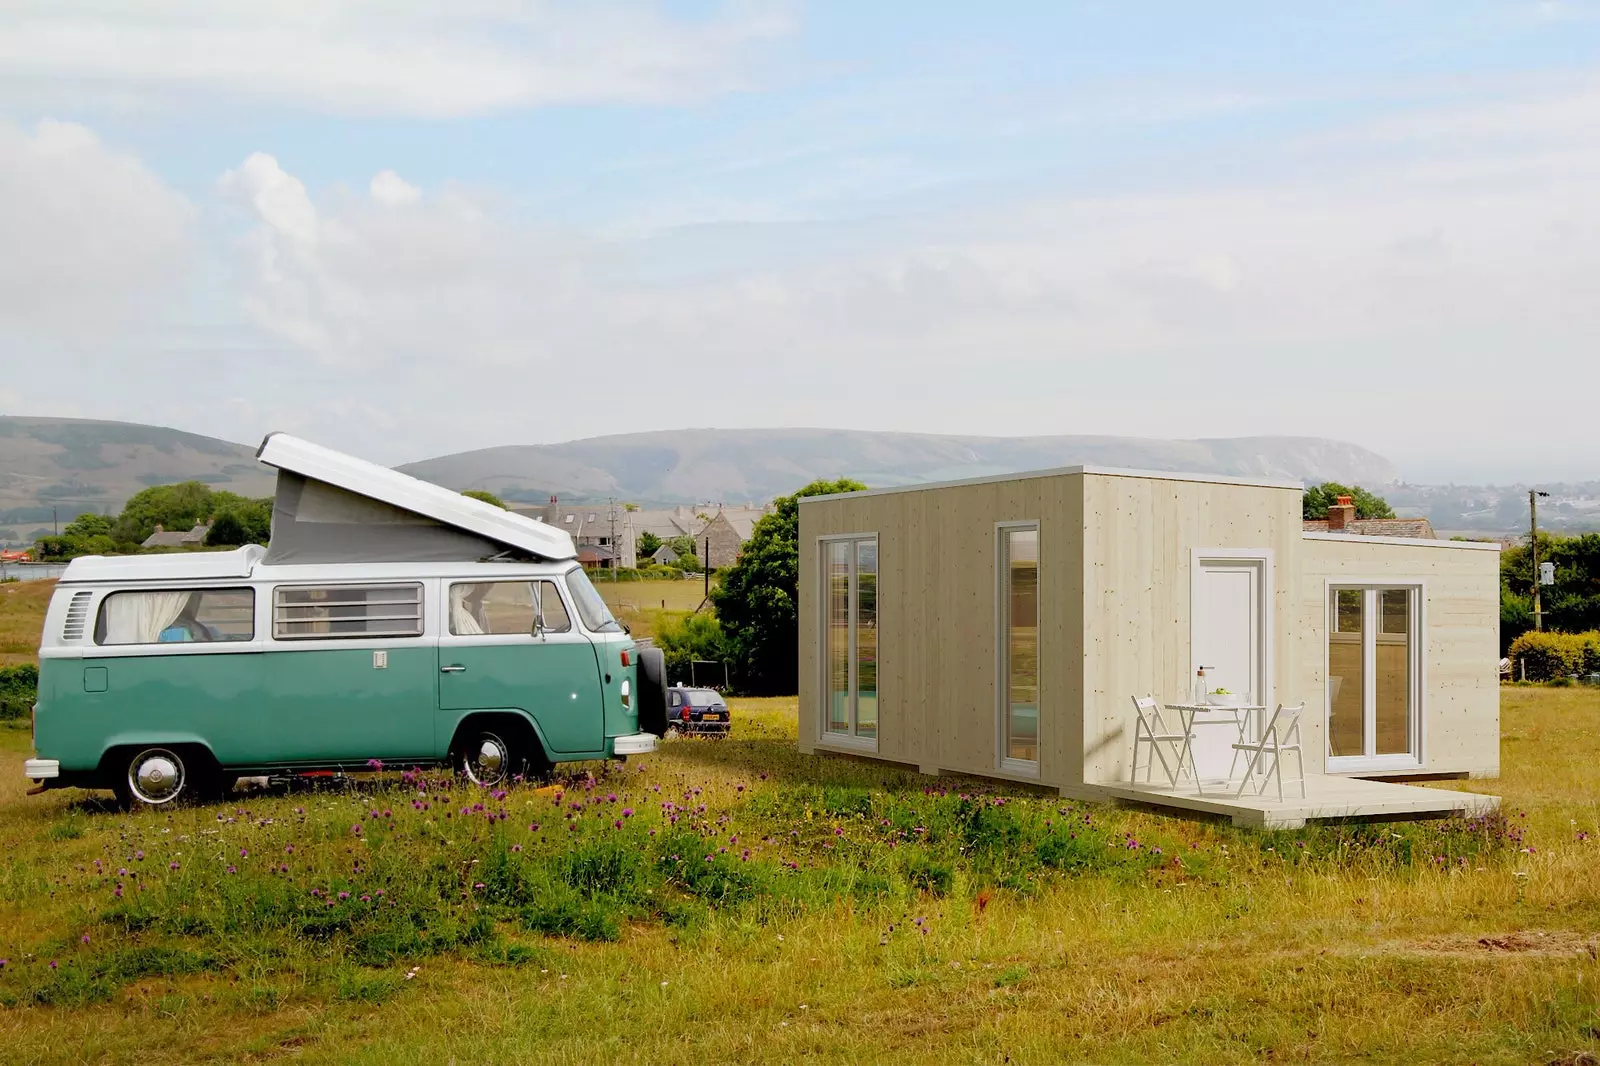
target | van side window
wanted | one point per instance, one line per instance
(176, 616)
(506, 607)
(333, 612)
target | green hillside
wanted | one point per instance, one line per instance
(72, 465)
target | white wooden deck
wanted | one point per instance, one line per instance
(1325, 798)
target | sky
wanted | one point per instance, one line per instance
(412, 227)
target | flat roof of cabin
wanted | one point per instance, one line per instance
(1059, 471)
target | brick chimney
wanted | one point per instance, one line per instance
(1341, 515)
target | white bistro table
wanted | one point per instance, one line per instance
(1212, 748)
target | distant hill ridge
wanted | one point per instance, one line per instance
(736, 465)
(77, 465)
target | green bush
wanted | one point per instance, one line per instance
(19, 687)
(691, 638)
(1545, 656)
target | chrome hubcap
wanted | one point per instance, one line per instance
(489, 760)
(156, 776)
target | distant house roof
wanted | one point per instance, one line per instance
(743, 520)
(664, 554)
(595, 553)
(666, 524)
(1419, 528)
(177, 538)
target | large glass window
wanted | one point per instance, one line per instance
(507, 607)
(591, 608)
(1019, 642)
(850, 636)
(176, 616)
(333, 612)
(1373, 645)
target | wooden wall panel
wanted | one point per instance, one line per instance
(1461, 616)
(1139, 538)
(938, 698)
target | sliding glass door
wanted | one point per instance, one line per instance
(850, 639)
(1374, 664)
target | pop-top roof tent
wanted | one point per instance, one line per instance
(335, 508)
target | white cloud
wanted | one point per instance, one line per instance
(1372, 295)
(390, 188)
(375, 57)
(88, 235)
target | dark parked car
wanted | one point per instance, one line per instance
(696, 710)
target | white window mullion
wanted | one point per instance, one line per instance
(852, 594)
(1370, 620)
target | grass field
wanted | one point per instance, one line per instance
(638, 604)
(735, 901)
(22, 605)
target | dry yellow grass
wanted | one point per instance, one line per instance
(1496, 963)
(22, 606)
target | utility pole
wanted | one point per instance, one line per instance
(616, 556)
(55, 523)
(1533, 548)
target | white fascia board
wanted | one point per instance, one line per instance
(1421, 542)
(1100, 471)
(376, 482)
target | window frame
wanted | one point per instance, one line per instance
(447, 626)
(1372, 590)
(295, 638)
(1027, 768)
(94, 623)
(825, 737)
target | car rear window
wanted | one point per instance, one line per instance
(702, 699)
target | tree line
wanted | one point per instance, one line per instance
(234, 520)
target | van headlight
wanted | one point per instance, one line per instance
(627, 694)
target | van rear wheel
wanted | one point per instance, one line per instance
(486, 758)
(151, 777)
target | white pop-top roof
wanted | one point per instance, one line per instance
(376, 482)
(188, 566)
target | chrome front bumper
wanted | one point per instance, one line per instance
(634, 744)
(39, 769)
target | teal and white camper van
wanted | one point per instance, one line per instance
(388, 619)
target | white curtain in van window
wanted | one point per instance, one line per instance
(139, 617)
(462, 621)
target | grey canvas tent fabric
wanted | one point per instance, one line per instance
(315, 522)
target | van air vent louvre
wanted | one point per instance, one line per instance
(77, 616)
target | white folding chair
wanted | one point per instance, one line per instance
(1150, 728)
(1281, 735)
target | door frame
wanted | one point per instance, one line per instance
(1366, 764)
(1266, 593)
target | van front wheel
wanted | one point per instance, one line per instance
(485, 758)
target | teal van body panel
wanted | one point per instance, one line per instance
(335, 705)
(269, 702)
(619, 720)
(206, 698)
(555, 681)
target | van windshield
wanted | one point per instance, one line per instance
(591, 608)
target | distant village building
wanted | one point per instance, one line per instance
(193, 538)
(617, 530)
(1342, 519)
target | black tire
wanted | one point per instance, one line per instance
(652, 694)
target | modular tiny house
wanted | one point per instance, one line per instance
(387, 620)
(1002, 626)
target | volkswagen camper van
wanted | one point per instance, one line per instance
(389, 621)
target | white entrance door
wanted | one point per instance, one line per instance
(1229, 625)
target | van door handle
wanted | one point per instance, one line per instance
(455, 668)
